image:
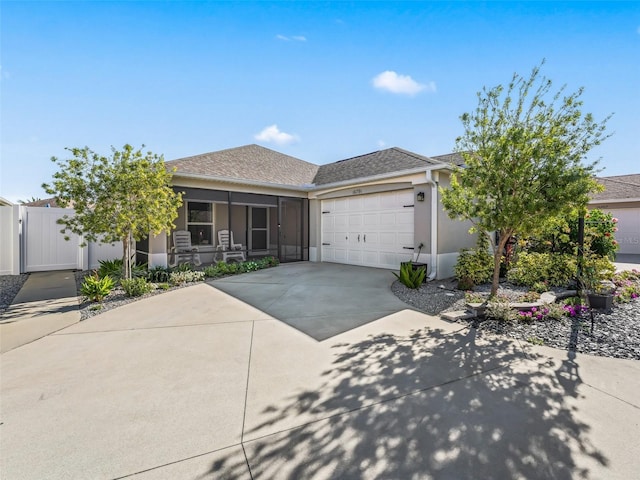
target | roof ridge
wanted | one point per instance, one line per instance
(614, 179)
(413, 154)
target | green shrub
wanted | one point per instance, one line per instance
(500, 310)
(474, 266)
(409, 277)
(474, 297)
(553, 311)
(183, 267)
(139, 270)
(540, 287)
(158, 275)
(531, 268)
(112, 268)
(115, 269)
(163, 286)
(529, 297)
(562, 269)
(135, 287)
(180, 278)
(211, 271)
(95, 288)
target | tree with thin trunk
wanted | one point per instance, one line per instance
(121, 198)
(525, 152)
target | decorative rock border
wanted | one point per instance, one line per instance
(476, 309)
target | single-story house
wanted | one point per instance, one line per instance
(621, 198)
(376, 210)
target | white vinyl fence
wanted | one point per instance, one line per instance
(31, 241)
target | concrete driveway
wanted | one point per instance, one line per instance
(196, 384)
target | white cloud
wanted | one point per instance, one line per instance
(296, 38)
(382, 144)
(272, 134)
(404, 84)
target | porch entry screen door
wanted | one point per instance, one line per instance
(290, 229)
(259, 228)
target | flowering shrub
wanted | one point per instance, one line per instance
(574, 310)
(560, 234)
(534, 313)
(599, 230)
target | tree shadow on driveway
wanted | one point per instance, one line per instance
(427, 405)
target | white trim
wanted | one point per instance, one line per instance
(382, 176)
(311, 187)
(619, 200)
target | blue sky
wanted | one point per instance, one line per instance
(321, 81)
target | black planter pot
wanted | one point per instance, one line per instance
(600, 302)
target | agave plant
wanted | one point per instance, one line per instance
(409, 277)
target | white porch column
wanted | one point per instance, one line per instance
(158, 250)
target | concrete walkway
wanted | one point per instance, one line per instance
(46, 303)
(196, 384)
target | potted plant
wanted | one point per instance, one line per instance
(598, 290)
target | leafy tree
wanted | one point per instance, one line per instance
(524, 149)
(123, 197)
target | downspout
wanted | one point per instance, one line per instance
(434, 226)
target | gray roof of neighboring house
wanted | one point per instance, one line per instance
(451, 158)
(45, 202)
(250, 162)
(620, 187)
(375, 163)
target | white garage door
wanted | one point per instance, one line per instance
(628, 234)
(372, 230)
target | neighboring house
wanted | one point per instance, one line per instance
(46, 203)
(372, 210)
(621, 198)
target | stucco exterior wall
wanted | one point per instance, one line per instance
(422, 223)
(315, 230)
(453, 235)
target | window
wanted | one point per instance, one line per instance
(200, 222)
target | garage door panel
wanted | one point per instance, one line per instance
(355, 204)
(371, 202)
(370, 219)
(384, 219)
(340, 220)
(355, 220)
(405, 218)
(339, 205)
(355, 257)
(340, 255)
(388, 219)
(628, 234)
(405, 239)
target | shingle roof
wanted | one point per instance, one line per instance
(375, 163)
(46, 202)
(451, 158)
(249, 162)
(620, 187)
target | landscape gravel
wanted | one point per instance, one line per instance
(10, 285)
(115, 299)
(615, 334)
